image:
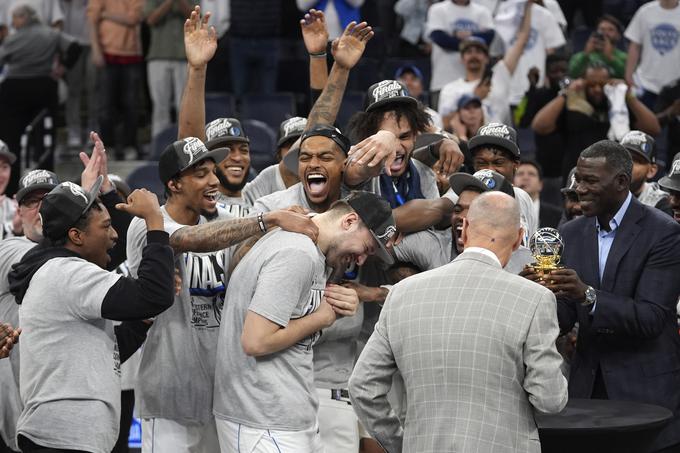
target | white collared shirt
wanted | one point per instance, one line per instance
(483, 251)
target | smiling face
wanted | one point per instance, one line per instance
(234, 168)
(353, 242)
(496, 160)
(599, 187)
(460, 211)
(197, 186)
(5, 172)
(320, 166)
(407, 139)
(97, 238)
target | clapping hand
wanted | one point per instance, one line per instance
(200, 41)
(8, 338)
(95, 165)
(314, 32)
(348, 48)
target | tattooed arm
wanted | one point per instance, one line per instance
(220, 234)
(347, 51)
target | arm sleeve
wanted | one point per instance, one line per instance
(647, 314)
(120, 221)
(486, 35)
(634, 31)
(275, 301)
(130, 335)
(152, 292)
(370, 382)
(444, 40)
(544, 382)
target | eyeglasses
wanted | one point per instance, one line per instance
(31, 202)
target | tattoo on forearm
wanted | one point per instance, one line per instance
(213, 236)
(325, 109)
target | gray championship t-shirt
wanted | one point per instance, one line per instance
(267, 182)
(282, 278)
(70, 365)
(235, 206)
(11, 250)
(430, 249)
(335, 353)
(176, 373)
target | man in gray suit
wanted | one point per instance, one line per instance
(474, 344)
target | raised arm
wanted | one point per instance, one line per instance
(347, 51)
(514, 53)
(315, 37)
(200, 44)
(632, 61)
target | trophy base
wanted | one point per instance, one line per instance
(544, 271)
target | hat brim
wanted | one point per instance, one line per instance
(286, 138)
(670, 183)
(460, 181)
(483, 140)
(219, 142)
(217, 155)
(290, 160)
(639, 153)
(93, 193)
(32, 188)
(10, 156)
(382, 251)
(394, 100)
(421, 150)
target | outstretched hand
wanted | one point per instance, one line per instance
(348, 48)
(314, 31)
(200, 40)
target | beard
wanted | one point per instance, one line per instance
(229, 186)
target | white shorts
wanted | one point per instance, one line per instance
(160, 435)
(339, 426)
(237, 438)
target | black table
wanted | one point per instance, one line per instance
(601, 426)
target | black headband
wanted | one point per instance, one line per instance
(329, 132)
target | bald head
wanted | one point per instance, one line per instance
(493, 222)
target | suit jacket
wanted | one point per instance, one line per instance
(475, 346)
(549, 215)
(632, 335)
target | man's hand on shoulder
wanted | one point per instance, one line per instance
(293, 221)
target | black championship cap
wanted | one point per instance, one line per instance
(473, 41)
(571, 182)
(223, 131)
(186, 153)
(290, 160)
(6, 153)
(386, 92)
(498, 135)
(483, 181)
(120, 184)
(36, 180)
(376, 214)
(64, 205)
(290, 129)
(672, 180)
(640, 143)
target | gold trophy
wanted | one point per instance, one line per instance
(546, 246)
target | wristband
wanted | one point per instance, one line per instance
(260, 222)
(317, 54)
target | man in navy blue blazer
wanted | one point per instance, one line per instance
(620, 283)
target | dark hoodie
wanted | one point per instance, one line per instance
(129, 300)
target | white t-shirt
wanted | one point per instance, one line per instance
(495, 105)
(449, 17)
(554, 7)
(657, 30)
(545, 34)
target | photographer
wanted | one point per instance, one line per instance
(601, 48)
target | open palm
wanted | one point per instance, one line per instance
(200, 40)
(314, 31)
(348, 48)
